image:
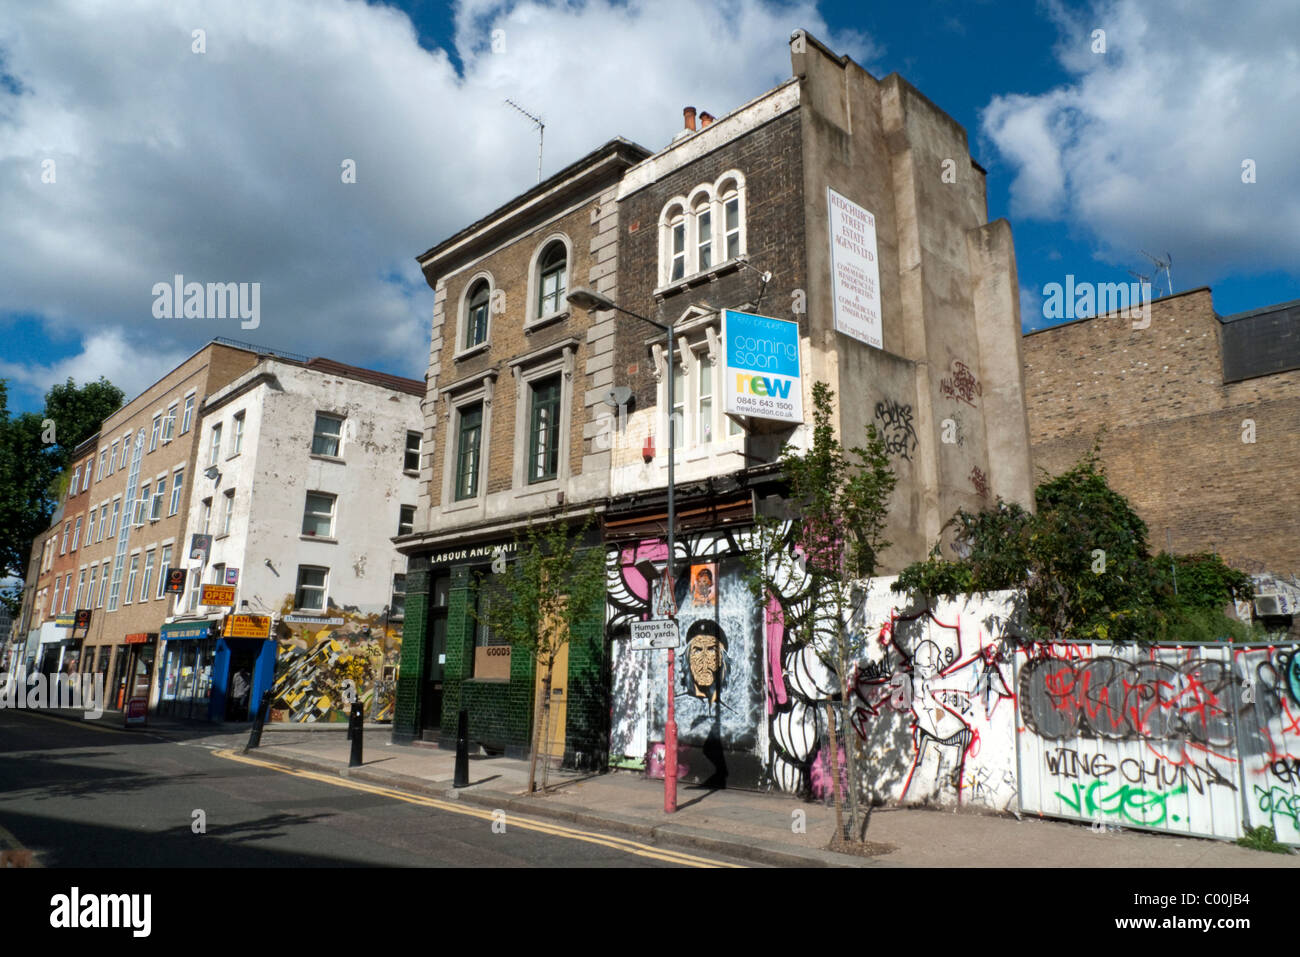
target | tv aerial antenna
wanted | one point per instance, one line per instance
(541, 132)
(1162, 267)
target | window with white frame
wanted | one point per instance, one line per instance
(130, 579)
(552, 282)
(81, 589)
(142, 505)
(312, 583)
(112, 460)
(159, 493)
(169, 423)
(327, 436)
(155, 433)
(54, 598)
(85, 481)
(178, 482)
(90, 527)
(163, 566)
(126, 450)
(103, 463)
(112, 522)
(411, 462)
(76, 482)
(67, 530)
(318, 515)
(406, 519)
(147, 579)
(103, 582)
(228, 511)
(397, 607)
(703, 231)
(477, 306)
(469, 439)
(76, 535)
(699, 421)
(237, 445)
(206, 516)
(90, 592)
(214, 450)
(188, 415)
(67, 593)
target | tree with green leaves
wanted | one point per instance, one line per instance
(1084, 564)
(35, 451)
(829, 542)
(554, 581)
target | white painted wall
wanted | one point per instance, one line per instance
(275, 470)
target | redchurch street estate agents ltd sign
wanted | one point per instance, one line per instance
(855, 273)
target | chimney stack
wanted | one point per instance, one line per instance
(705, 119)
(689, 115)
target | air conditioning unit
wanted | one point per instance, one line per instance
(1269, 605)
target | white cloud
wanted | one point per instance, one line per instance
(1143, 148)
(131, 366)
(225, 166)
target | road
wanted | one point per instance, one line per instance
(83, 795)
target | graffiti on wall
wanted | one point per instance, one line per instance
(961, 385)
(896, 428)
(318, 668)
(1172, 738)
(933, 702)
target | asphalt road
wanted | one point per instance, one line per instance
(82, 796)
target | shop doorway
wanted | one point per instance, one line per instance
(240, 683)
(554, 725)
(435, 654)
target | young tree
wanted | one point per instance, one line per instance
(833, 537)
(554, 581)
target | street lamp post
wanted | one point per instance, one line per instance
(587, 299)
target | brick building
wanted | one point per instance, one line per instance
(514, 384)
(130, 504)
(735, 213)
(1201, 415)
(58, 649)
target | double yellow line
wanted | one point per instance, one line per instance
(555, 830)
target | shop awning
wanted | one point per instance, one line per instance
(186, 629)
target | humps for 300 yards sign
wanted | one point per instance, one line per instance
(761, 362)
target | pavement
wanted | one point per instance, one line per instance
(771, 829)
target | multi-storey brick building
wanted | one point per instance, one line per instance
(60, 649)
(516, 383)
(143, 468)
(1201, 420)
(745, 212)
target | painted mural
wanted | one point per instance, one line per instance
(319, 667)
(950, 706)
(933, 701)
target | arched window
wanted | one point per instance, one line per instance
(551, 286)
(703, 230)
(476, 324)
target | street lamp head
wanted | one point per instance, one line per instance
(585, 298)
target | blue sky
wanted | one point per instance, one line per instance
(224, 164)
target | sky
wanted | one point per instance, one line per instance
(315, 148)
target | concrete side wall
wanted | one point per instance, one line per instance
(948, 294)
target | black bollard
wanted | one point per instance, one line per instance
(255, 735)
(355, 761)
(461, 779)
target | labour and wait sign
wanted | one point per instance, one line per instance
(761, 362)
